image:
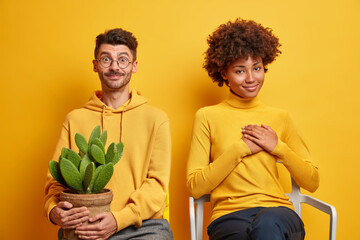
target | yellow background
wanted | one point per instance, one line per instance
(46, 51)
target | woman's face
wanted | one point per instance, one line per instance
(245, 76)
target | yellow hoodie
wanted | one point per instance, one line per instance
(141, 177)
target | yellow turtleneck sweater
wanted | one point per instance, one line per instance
(222, 164)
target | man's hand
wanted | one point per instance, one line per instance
(67, 217)
(262, 135)
(100, 231)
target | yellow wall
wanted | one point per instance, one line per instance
(46, 51)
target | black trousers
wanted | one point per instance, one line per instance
(260, 223)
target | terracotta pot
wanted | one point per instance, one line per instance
(95, 203)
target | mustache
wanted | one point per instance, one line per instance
(112, 73)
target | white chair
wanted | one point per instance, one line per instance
(296, 197)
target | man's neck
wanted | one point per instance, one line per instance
(115, 99)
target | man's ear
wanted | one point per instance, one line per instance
(134, 67)
(95, 66)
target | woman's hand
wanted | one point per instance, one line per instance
(254, 148)
(262, 136)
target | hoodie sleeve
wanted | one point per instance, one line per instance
(52, 187)
(149, 199)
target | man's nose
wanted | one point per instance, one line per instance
(114, 65)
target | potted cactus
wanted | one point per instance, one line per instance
(85, 174)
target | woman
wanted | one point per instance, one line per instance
(236, 143)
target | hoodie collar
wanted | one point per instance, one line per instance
(95, 103)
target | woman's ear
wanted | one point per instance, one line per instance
(223, 74)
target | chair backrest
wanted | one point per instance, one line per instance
(295, 197)
(196, 220)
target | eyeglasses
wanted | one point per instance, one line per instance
(106, 62)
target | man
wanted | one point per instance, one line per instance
(141, 178)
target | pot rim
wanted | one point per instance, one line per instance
(69, 195)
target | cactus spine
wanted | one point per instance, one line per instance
(91, 169)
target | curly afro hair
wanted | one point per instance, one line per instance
(235, 40)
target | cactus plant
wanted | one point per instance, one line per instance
(91, 169)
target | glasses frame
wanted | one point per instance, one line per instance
(112, 60)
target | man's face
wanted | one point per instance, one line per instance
(114, 77)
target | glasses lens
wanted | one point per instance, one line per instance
(123, 62)
(105, 61)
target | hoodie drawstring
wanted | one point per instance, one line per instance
(103, 121)
(121, 125)
(103, 117)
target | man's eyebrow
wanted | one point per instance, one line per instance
(121, 53)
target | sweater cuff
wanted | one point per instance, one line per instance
(50, 207)
(234, 155)
(126, 217)
(280, 150)
(243, 149)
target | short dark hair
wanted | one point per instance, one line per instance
(117, 36)
(239, 40)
